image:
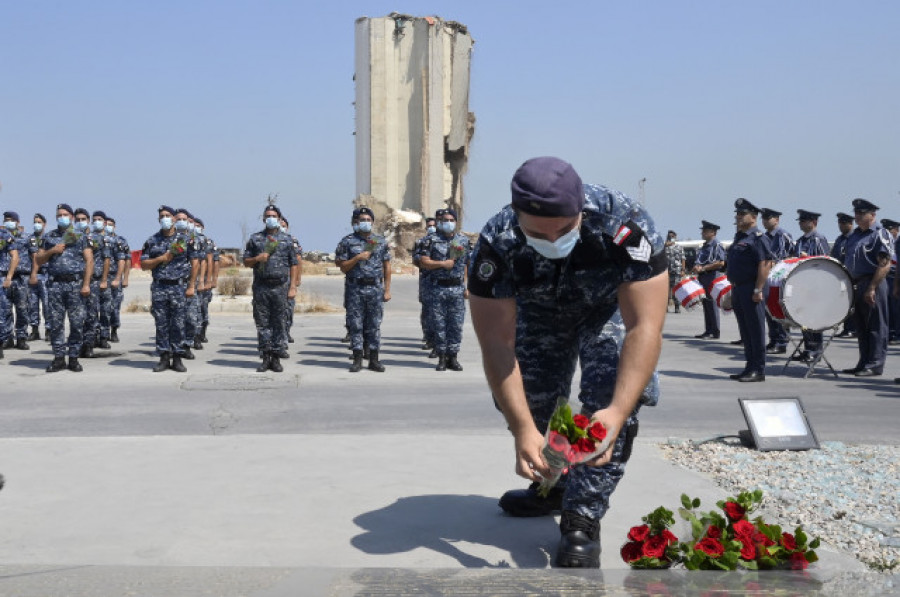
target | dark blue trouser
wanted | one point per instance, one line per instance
(752, 324)
(871, 324)
(710, 310)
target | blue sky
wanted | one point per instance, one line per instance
(212, 105)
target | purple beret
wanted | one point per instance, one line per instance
(547, 187)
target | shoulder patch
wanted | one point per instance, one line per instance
(486, 270)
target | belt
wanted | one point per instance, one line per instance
(175, 282)
(366, 281)
(65, 278)
(449, 282)
(271, 281)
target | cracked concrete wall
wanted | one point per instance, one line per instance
(413, 125)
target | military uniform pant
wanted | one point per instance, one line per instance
(289, 313)
(205, 298)
(425, 312)
(778, 336)
(115, 319)
(893, 311)
(19, 295)
(365, 309)
(105, 300)
(167, 303)
(191, 318)
(37, 301)
(812, 341)
(710, 309)
(448, 313)
(549, 344)
(871, 324)
(269, 306)
(65, 298)
(751, 321)
(6, 314)
(674, 279)
(92, 314)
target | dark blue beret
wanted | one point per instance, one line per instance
(199, 221)
(450, 211)
(768, 212)
(99, 213)
(864, 205)
(181, 210)
(744, 205)
(81, 210)
(163, 208)
(113, 220)
(366, 211)
(888, 223)
(439, 212)
(41, 217)
(547, 187)
(10, 215)
(802, 214)
(274, 208)
(672, 233)
(66, 207)
(704, 225)
(842, 217)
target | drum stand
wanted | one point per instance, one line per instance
(827, 337)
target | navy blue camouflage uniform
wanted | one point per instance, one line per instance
(193, 317)
(365, 288)
(292, 302)
(271, 282)
(37, 296)
(711, 252)
(812, 244)
(782, 246)
(445, 290)
(743, 258)
(7, 246)
(863, 250)
(211, 249)
(64, 282)
(19, 290)
(118, 251)
(567, 311)
(100, 249)
(424, 296)
(167, 291)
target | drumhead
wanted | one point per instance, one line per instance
(817, 294)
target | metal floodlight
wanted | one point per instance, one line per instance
(777, 424)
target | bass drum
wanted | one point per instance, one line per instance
(814, 293)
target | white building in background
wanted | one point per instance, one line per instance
(413, 124)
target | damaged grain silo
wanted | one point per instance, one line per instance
(413, 124)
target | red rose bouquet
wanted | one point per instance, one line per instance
(71, 236)
(271, 244)
(457, 250)
(722, 542)
(652, 545)
(178, 247)
(371, 243)
(570, 440)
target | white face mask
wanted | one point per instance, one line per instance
(447, 227)
(365, 226)
(97, 225)
(558, 249)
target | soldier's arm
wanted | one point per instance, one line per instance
(495, 326)
(762, 275)
(105, 273)
(195, 269)
(13, 264)
(88, 271)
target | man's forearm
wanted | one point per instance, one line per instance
(505, 380)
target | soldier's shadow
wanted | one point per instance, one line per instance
(233, 363)
(447, 523)
(133, 363)
(249, 352)
(333, 364)
(32, 363)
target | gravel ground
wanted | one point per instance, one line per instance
(848, 495)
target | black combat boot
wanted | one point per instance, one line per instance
(1, 353)
(9, 343)
(428, 345)
(87, 351)
(187, 354)
(453, 363)
(177, 365)
(163, 363)
(104, 344)
(266, 363)
(442, 363)
(198, 345)
(579, 546)
(290, 339)
(527, 503)
(35, 334)
(283, 354)
(346, 338)
(357, 361)
(21, 344)
(275, 363)
(433, 354)
(74, 365)
(203, 332)
(366, 352)
(374, 363)
(47, 334)
(114, 335)
(58, 364)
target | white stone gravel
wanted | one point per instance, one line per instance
(848, 495)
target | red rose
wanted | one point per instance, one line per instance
(581, 421)
(714, 532)
(584, 445)
(672, 539)
(798, 561)
(655, 547)
(631, 552)
(597, 431)
(759, 537)
(734, 510)
(744, 528)
(788, 542)
(711, 547)
(639, 533)
(748, 551)
(558, 442)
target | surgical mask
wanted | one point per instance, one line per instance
(364, 227)
(64, 221)
(181, 225)
(110, 229)
(271, 223)
(282, 229)
(190, 227)
(97, 225)
(165, 223)
(431, 230)
(38, 226)
(198, 229)
(355, 227)
(558, 249)
(81, 225)
(447, 227)
(10, 225)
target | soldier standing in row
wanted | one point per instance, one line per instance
(172, 258)
(365, 260)
(99, 284)
(893, 227)
(192, 317)
(710, 260)
(70, 264)
(295, 275)
(445, 254)
(424, 321)
(9, 260)
(37, 296)
(782, 246)
(19, 289)
(119, 268)
(675, 258)
(272, 256)
(838, 251)
(211, 277)
(354, 225)
(812, 244)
